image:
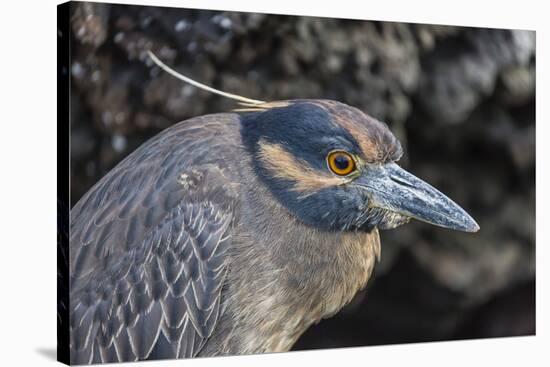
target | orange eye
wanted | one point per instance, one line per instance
(340, 163)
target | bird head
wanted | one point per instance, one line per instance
(334, 167)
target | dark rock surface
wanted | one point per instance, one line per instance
(461, 100)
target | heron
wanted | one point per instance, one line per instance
(233, 233)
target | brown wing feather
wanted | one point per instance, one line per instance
(148, 247)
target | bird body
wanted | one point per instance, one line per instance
(230, 234)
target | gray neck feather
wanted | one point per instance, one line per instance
(290, 275)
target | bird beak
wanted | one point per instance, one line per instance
(392, 188)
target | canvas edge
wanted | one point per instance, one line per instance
(63, 192)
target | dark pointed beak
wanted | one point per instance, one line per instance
(392, 188)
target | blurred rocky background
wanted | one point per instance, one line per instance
(461, 100)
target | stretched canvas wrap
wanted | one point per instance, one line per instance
(240, 183)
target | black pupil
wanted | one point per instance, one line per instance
(341, 162)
